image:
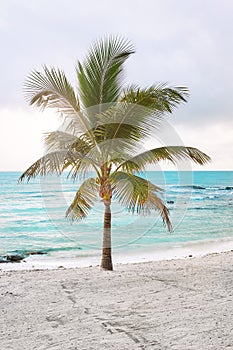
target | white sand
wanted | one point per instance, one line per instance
(178, 304)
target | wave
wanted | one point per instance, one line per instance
(200, 187)
(203, 208)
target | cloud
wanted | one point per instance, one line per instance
(214, 139)
(21, 136)
(181, 42)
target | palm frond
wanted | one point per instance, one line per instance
(170, 153)
(130, 121)
(51, 163)
(138, 194)
(51, 89)
(100, 74)
(83, 200)
(113, 151)
(60, 140)
(55, 163)
(140, 112)
(158, 97)
(124, 131)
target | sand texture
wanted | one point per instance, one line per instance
(178, 304)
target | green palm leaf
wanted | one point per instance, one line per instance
(83, 200)
(130, 122)
(158, 97)
(138, 194)
(51, 163)
(139, 113)
(56, 162)
(51, 89)
(100, 74)
(111, 131)
(60, 140)
(171, 153)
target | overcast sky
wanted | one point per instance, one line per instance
(183, 42)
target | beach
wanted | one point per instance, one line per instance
(170, 304)
(116, 178)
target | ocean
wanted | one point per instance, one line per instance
(32, 218)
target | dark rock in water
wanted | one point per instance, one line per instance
(35, 253)
(197, 187)
(170, 202)
(229, 188)
(14, 258)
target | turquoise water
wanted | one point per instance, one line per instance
(32, 215)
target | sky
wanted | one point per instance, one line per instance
(185, 43)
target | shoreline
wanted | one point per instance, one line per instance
(133, 307)
(56, 261)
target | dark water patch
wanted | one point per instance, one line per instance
(27, 210)
(57, 249)
(203, 208)
(221, 188)
(29, 192)
(200, 187)
(35, 253)
(196, 187)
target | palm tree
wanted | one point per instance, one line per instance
(104, 127)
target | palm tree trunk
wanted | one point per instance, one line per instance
(106, 262)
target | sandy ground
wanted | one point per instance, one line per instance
(177, 304)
